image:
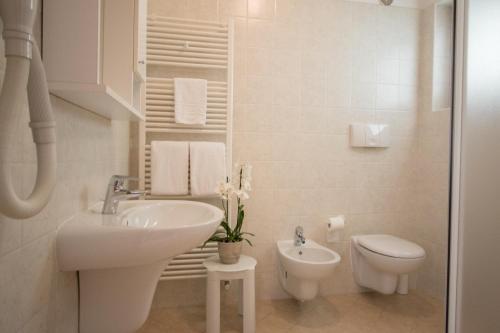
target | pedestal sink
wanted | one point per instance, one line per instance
(120, 257)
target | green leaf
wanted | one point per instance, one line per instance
(241, 217)
(248, 241)
(227, 228)
(213, 238)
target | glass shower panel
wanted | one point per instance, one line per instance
(479, 265)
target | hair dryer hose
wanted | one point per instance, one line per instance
(20, 72)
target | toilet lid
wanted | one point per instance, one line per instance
(391, 246)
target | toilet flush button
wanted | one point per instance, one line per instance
(369, 135)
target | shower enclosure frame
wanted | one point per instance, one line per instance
(455, 167)
(474, 116)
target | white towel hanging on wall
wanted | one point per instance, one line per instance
(190, 98)
(169, 167)
(208, 166)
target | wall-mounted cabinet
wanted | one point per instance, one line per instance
(140, 35)
(90, 52)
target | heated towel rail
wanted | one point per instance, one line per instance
(198, 49)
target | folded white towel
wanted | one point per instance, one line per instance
(169, 168)
(208, 166)
(190, 101)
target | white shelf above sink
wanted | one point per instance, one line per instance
(100, 99)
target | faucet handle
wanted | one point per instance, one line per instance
(299, 231)
(299, 236)
(123, 178)
(117, 181)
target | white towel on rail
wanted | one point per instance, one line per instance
(169, 167)
(208, 166)
(190, 101)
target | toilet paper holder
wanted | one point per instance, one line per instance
(334, 226)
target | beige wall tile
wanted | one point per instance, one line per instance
(286, 63)
(258, 61)
(231, 8)
(261, 8)
(287, 10)
(259, 33)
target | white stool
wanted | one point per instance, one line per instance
(216, 272)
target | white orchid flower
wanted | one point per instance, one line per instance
(246, 177)
(247, 171)
(242, 194)
(246, 185)
(224, 190)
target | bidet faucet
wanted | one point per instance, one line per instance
(116, 192)
(299, 236)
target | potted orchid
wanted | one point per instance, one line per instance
(230, 240)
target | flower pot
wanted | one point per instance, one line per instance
(229, 253)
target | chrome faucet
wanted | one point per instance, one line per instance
(299, 236)
(116, 192)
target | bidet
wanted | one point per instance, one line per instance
(303, 267)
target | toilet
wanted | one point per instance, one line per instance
(383, 262)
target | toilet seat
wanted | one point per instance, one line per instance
(391, 246)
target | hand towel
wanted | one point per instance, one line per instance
(208, 166)
(190, 101)
(169, 168)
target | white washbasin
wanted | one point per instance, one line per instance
(120, 257)
(142, 232)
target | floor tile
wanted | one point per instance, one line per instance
(351, 313)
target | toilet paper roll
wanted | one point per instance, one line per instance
(336, 223)
(334, 226)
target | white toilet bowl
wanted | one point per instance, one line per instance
(383, 262)
(303, 267)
